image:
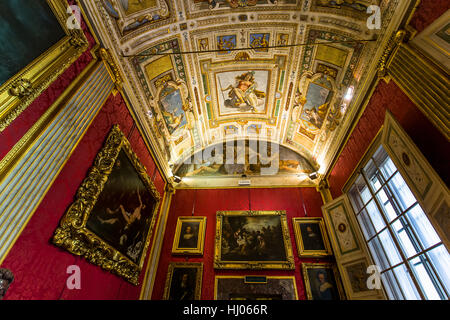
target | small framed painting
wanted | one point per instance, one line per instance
(322, 281)
(311, 237)
(189, 235)
(184, 281)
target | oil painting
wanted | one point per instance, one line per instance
(111, 220)
(189, 235)
(238, 288)
(184, 281)
(312, 240)
(252, 239)
(322, 281)
(242, 91)
(27, 29)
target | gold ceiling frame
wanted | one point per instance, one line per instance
(72, 233)
(213, 68)
(123, 20)
(24, 87)
(289, 264)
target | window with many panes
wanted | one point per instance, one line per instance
(413, 261)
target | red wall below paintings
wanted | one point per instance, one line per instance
(388, 96)
(208, 202)
(40, 267)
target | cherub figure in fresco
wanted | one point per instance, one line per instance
(244, 94)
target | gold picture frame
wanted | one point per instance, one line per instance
(311, 238)
(325, 287)
(189, 235)
(241, 288)
(75, 232)
(228, 257)
(19, 91)
(189, 272)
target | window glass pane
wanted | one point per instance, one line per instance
(406, 283)
(366, 225)
(403, 194)
(365, 194)
(385, 164)
(391, 286)
(355, 199)
(375, 182)
(370, 168)
(389, 247)
(378, 254)
(375, 216)
(422, 226)
(405, 237)
(424, 276)
(441, 261)
(387, 203)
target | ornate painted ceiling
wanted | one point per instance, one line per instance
(189, 96)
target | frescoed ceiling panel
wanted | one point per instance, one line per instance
(201, 72)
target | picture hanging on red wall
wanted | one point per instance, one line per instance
(253, 240)
(184, 281)
(189, 236)
(111, 221)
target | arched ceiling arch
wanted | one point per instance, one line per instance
(260, 86)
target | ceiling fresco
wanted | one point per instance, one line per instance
(202, 72)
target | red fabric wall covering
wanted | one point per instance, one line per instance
(39, 266)
(16, 130)
(427, 138)
(208, 202)
(427, 12)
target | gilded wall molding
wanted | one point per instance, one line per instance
(30, 168)
(423, 83)
(24, 87)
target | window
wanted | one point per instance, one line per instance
(414, 262)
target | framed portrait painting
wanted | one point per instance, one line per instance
(322, 281)
(184, 281)
(311, 237)
(112, 218)
(189, 235)
(40, 39)
(253, 240)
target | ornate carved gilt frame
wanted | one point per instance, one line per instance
(255, 265)
(299, 240)
(19, 92)
(201, 236)
(307, 266)
(198, 279)
(72, 233)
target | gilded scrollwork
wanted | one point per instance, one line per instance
(24, 87)
(72, 233)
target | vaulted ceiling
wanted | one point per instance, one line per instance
(201, 72)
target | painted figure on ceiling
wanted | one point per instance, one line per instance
(244, 95)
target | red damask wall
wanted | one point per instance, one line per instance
(388, 96)
(38, 266)
(427, 138)
(208, 202)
